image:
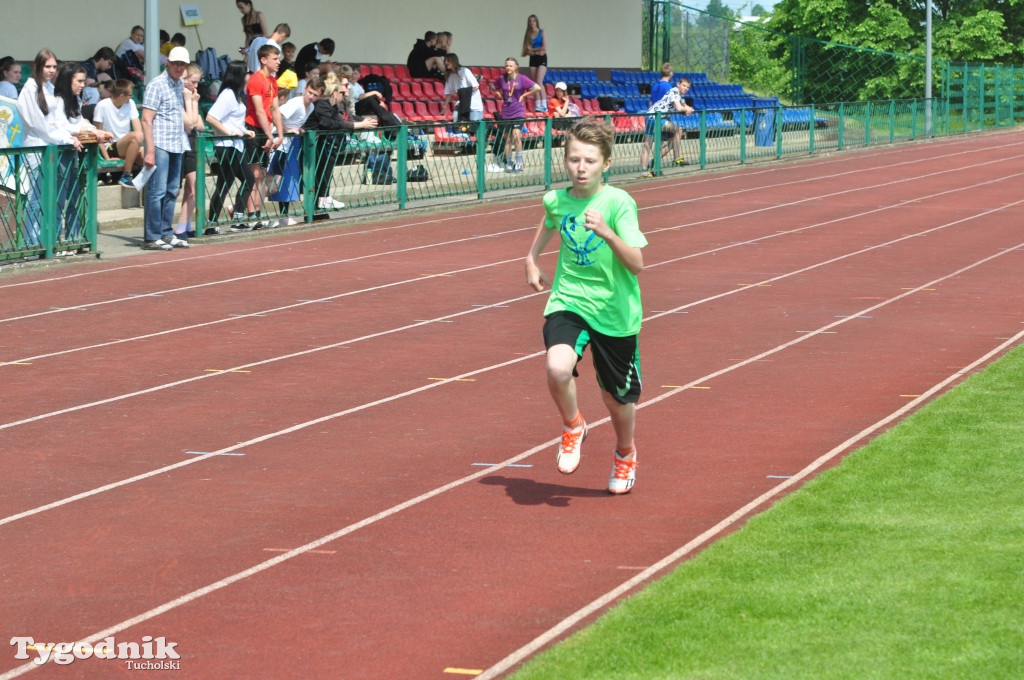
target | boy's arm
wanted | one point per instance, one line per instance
(631, 257)
(535, 276)
(275, 111)
(102, 147)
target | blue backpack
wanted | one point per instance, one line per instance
(378, 169)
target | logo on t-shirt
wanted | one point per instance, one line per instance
(580, 240)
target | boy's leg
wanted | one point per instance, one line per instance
(561, 362)
(623, 417)
(128, 148)
(645, 156)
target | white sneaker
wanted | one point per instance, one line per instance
(176, 242)
(623, 474)
(337, 205)
(158, 244)
(568, 458)
(324, 202)
(494, 167)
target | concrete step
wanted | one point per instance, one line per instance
(116, 197)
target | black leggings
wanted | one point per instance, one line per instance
(328, 148)
(231, 166)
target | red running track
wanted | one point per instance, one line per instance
(330, 454)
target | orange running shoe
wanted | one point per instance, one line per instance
(623, 474)
(569, 452)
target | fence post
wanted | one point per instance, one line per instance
(703, 140)
(778, 132)
(842, 125)
(913, 118)
(91, 194)
(48, 226)
(867, 124)
(403, 169)
(742, 129)
(548, 138)
(656, 148)
(892, 121)
(481, 157)
(202, 162)
(309, 175)
(810, 129)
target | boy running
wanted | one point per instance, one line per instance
(595, 296)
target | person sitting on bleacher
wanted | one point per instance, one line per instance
(672, 102)
(662, 87)
(426, 59)
(315, 53)
(370, 101)
(10, 77)
(119, 116)
(97, 70)
(562, 105)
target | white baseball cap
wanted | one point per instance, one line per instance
(561, 86)
(179, 54)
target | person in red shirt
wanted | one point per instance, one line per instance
(263, 117)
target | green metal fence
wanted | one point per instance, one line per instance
(48, 194)
(47, 201)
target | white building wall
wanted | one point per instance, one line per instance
(581, 33)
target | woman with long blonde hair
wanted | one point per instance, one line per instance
(535, 46)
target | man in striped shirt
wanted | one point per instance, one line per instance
(163, 128)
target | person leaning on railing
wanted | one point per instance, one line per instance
(227, 117)
(329, 115)
(45, 123)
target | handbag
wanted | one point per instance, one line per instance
(465, 102)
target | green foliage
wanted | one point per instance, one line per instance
(972, 38)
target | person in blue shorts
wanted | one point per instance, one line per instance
(595, 297)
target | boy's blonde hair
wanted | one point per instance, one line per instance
(596, 131)
(122, 86)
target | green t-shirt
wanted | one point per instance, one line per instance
(590, 280)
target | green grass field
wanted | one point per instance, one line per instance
(906, 561)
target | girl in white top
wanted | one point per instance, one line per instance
(227, 117)
(46, 123)
(67, 88)
(10, 76)
(459, 77)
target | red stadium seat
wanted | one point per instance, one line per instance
(417, 90)
(401, 73)
(388, 72)
(407, 110)
(402, 92)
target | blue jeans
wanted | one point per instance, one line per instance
(161, 196)
(69, 196)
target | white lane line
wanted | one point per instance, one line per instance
(803, 337)
(746, 213)
(721, 527)
(608, 597)
(432, 245)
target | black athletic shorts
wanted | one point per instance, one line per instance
(188, 163)
(537, 60)
(616, 360)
